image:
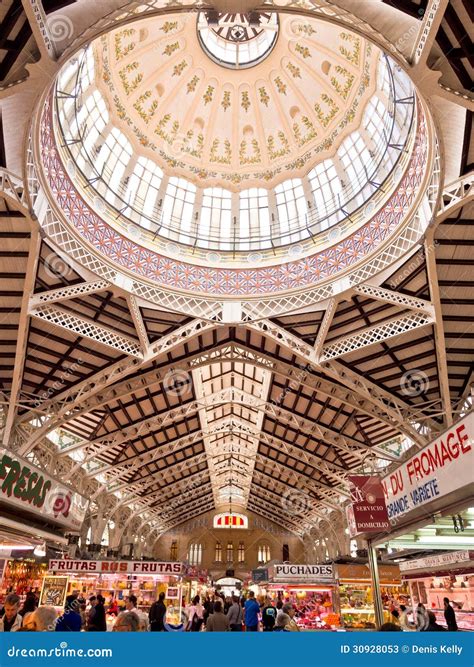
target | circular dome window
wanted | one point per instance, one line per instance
(237, 41)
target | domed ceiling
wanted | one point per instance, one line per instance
(224, 126)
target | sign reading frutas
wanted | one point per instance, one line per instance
(24, 486)
(303, 573)
(368, 511)
(115, 566)
(442, 467)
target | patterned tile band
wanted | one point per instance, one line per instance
(186, 277)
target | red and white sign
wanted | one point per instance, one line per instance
(440, 468)
(368, 512)
(115, 566)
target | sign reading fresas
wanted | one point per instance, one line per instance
(23, 486)
(115, 566)
(303, 573)
(368, 512)
(438, 469)
(438, 560)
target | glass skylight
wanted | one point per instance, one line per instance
(133, 188)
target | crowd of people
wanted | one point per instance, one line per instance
(425, 620)
(216, 614)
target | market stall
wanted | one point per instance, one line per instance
(116, 580)
(356, 594)
(310, 588)
(450, 575)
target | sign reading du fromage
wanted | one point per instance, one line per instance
(303, 573)
(440, 468)
(23, 486)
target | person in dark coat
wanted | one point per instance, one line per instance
(71, 620)
(433, 626)
(450, 616)
(97, 622)
(157, 614)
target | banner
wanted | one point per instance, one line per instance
(442, 467)
(303, 573)
(259, 575)
(115, 566)
(53, 591)
(26, 487)
(438, 560)
(368, 511)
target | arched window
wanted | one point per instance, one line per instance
(230, 552)
(174, 550)
(263, 553)
(241, 552)
(195, 554)
(291, 206)
(218, 553)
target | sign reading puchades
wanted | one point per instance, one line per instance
(303, 573)
(443, 467)
(116, 566)
(368, 512)
(23, 486)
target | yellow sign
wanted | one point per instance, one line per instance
(53, 591)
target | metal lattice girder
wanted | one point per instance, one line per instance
(375, 334)
(82, 326)
(291, 491)
(395, 298)
(304, 510)
(303, 482)
(427, 32)
(324, 327)
(69, 402)
(385, 406)
(13, 191)
(39, 26)
(68, 292)
(296, 481)
(260, 511)
(22, 335)
(138, 322)
(456, 194)
(276, 513)
(170, 492)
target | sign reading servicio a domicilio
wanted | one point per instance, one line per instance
(303, 573)
(23, 486)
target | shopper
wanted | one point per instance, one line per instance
(29, 605)
(195, 614)
(126, 621)
(269, 614)
(281, 623)
(251, 611)
(218, 621)
(290, 611)
(433, 625)
(71, 620)
(131, 605)
(390, 627)
(11, 620)
(235, 615)
(157, 614)
(96, 620)
(422, 620)
(43, 619)
(403, 619)
(450, 616)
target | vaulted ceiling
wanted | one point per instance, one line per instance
(155, 411)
